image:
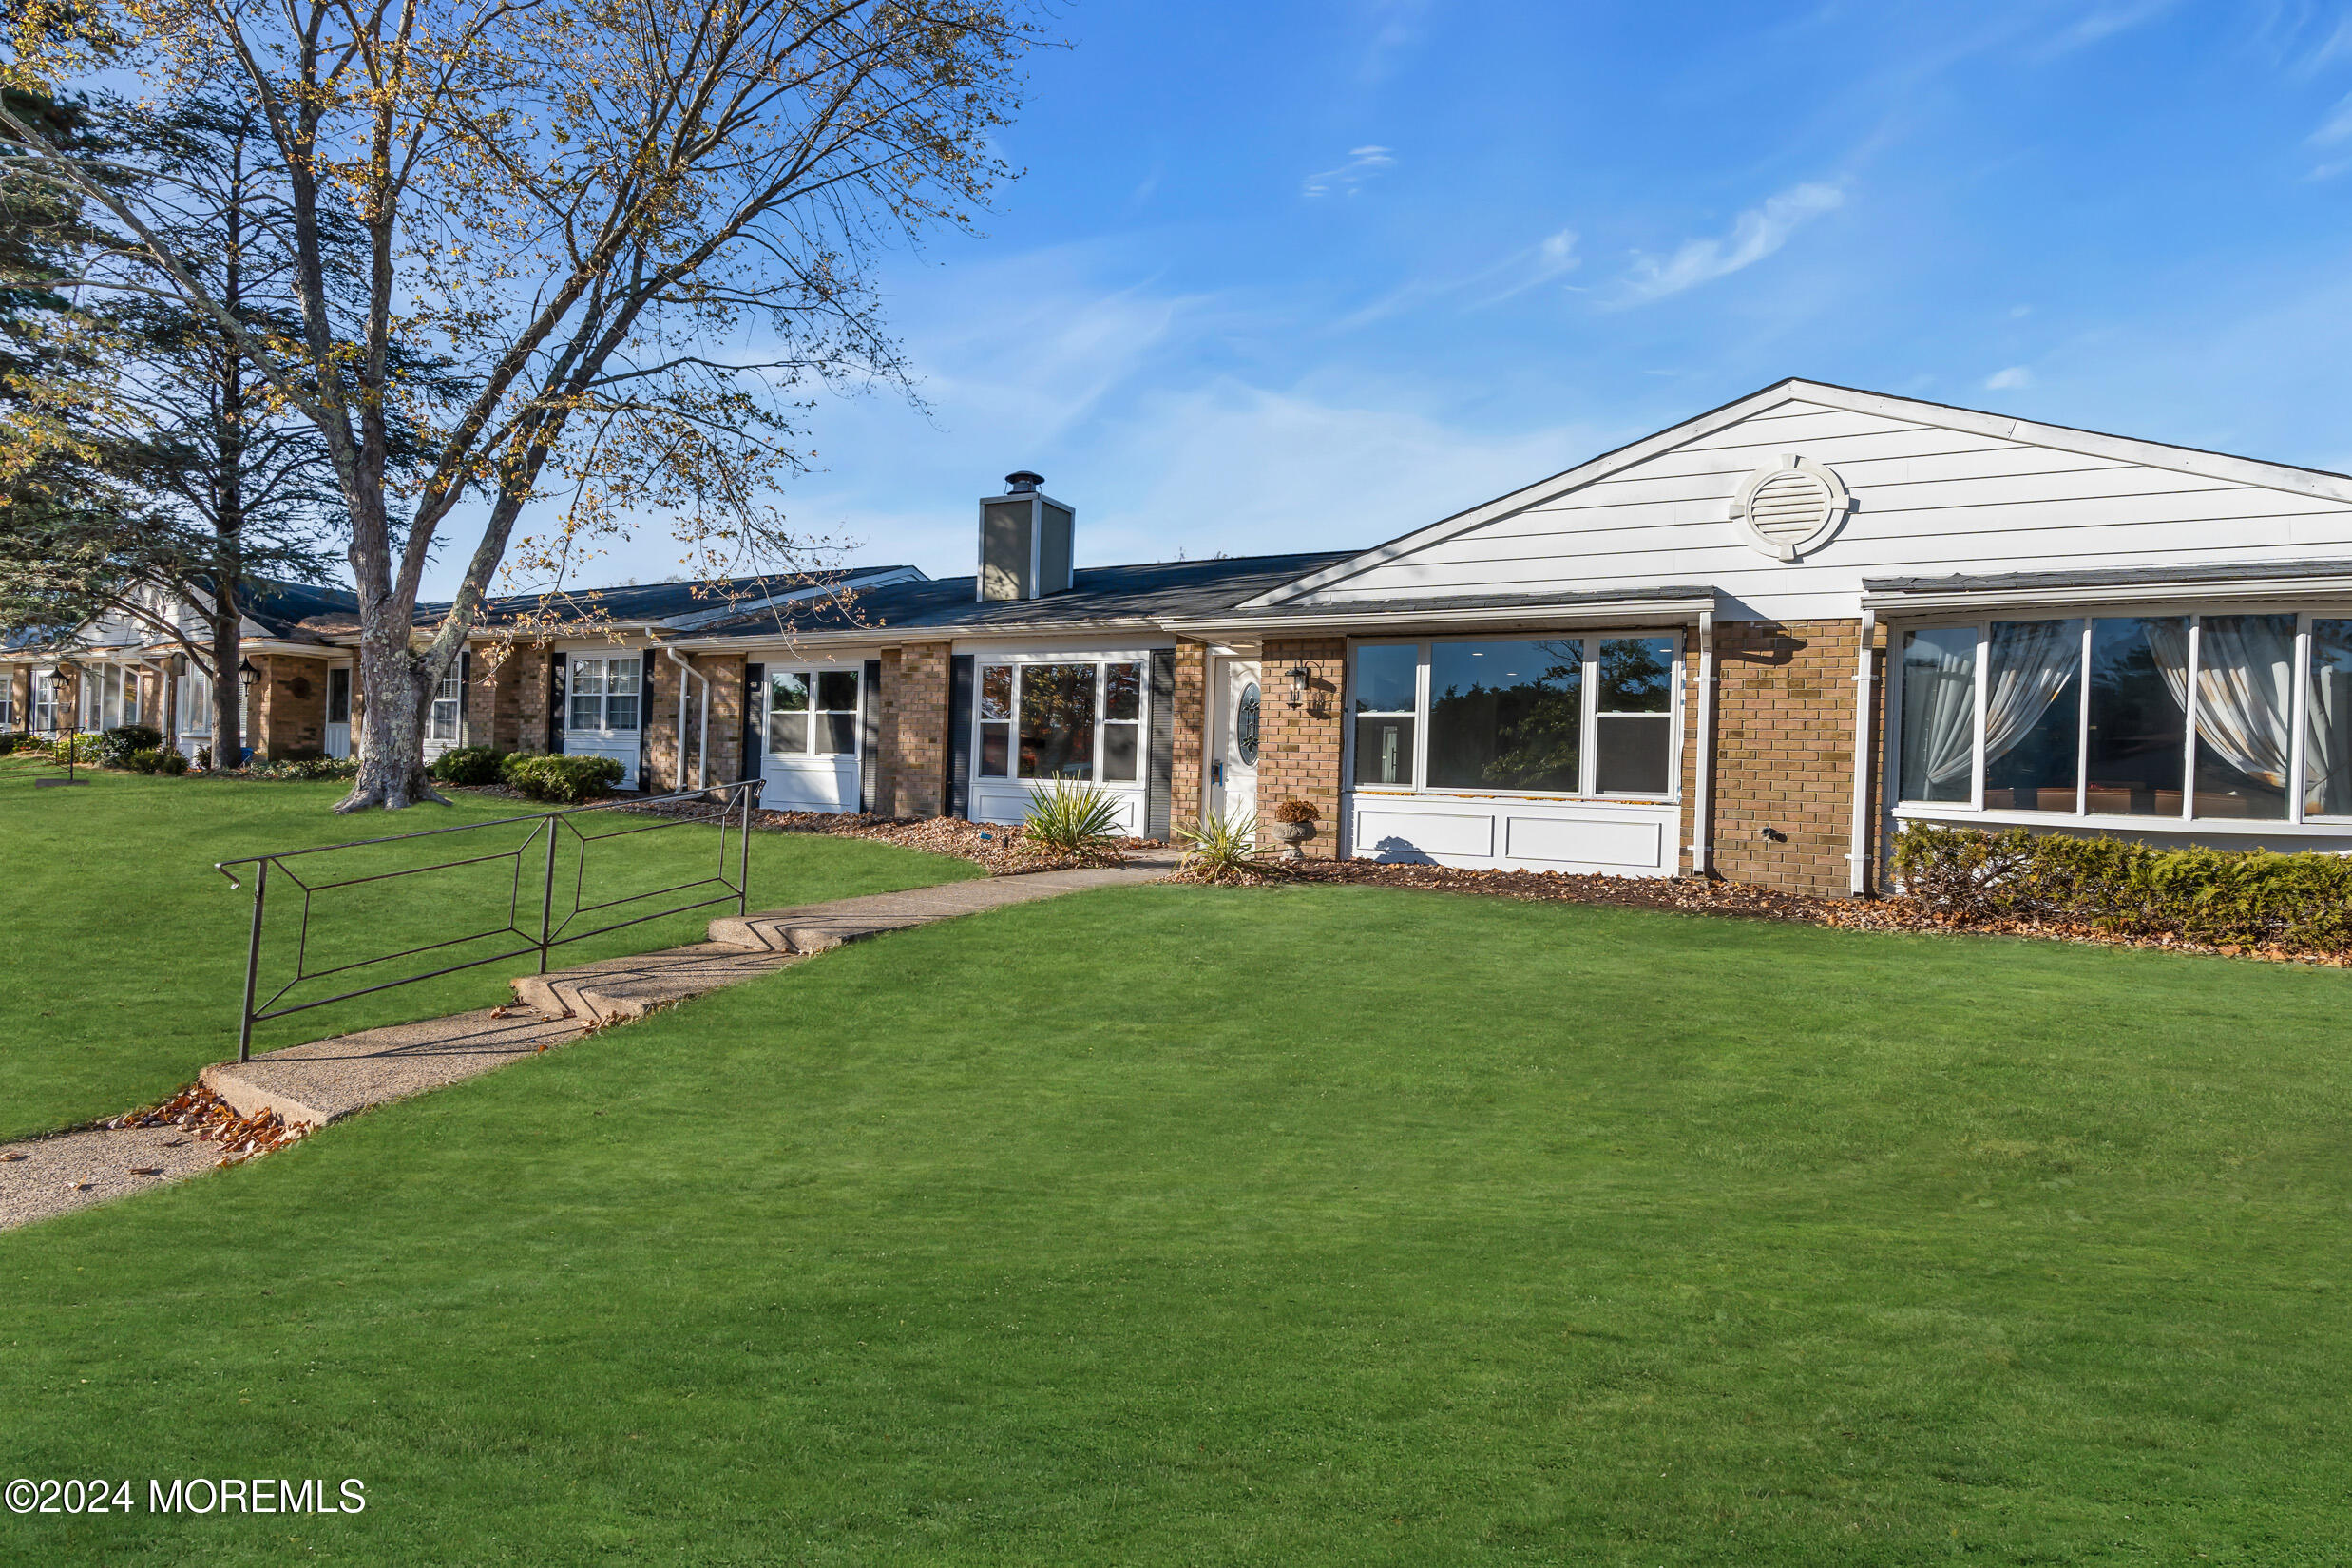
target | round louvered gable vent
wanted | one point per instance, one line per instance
(1791, 506)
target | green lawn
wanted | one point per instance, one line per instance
(123, 956)
(1184, 1226)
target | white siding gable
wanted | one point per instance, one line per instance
(1936, 490)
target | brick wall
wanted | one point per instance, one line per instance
(289, 707)
(725, 674)
(913, 777)
(494, 708)
(1785, 753)
(1192, 707)
(1299, 748)
(20, 699)
(523, 699)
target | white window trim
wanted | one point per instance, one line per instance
(767, 714)
(632, 660)
(1102, 662)
(2187, 821)
(1588, 731)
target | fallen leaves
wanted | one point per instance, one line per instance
(207, 1115)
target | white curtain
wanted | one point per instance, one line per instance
(2244, 676)
(2327, 751)
(1941, 708)
(2033, 661)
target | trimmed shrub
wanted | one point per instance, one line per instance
(303, 770)
(9, 740)
(172, 760)
(1077, 819)
(563, 781)
(116, 745)
(2230, 898)
(203, 756)
(148, 759)
(468, 765)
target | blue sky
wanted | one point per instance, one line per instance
(1305, 274)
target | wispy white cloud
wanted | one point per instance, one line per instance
(1530, 266)
(1755, 233)
(2010, 379)
(1363, 163)
(2102, 22)
(1394, 26)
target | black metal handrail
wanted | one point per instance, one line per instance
(729, 806)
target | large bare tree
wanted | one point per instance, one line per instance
(640, 232)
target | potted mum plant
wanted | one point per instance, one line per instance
(1294, 824)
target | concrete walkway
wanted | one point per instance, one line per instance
(328, 1080)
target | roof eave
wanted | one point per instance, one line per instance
(1588, 613)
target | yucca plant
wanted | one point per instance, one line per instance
(1221, 848)
(1076, 819)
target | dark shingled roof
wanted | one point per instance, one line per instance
(280, 608)
(2113, 577)
(631, 601)
(1100, 596)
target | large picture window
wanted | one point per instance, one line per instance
(1080, 722)
(2146, 716)
(812, 713)
(1583, 715)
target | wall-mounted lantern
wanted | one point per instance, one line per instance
(1298, 685)
(247, 673)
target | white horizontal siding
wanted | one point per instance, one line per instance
(1929, 501)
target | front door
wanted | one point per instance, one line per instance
(339, 710)
(1233, 755)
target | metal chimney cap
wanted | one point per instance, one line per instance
(1022, 482)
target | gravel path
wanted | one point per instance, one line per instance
(75, 1170)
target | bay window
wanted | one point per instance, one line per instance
(1588, 715)
(1078, 721)
(601, 694)
(2162, 717)
(813, 713)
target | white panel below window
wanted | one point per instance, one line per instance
(1636, 846)
(999, 802)
(1398, 836)
(1634, 839)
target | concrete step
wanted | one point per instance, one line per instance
(617, 989)
(328, 1080)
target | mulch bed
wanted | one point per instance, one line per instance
(1692, 895)
(998, 849)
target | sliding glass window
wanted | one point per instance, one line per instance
(1578, 715)
(2093, 716)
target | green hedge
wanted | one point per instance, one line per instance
(565, 780)
(468, 765)
(2228, 897)
(115, 746)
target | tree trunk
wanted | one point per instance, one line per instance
(228, 689)
(391, 723)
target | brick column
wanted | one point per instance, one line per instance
(1192, 716)
(659, 755)
(522, 690)
(725, 674)
(1785, 753)
(290, 707)
(1299, 748)
(20, 699)
(914, 731)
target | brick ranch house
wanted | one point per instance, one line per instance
(1752, 645)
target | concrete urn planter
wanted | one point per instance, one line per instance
(1294, 835)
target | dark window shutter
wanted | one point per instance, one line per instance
(1162, 776)
(465, 698)
(754, 751)
(870, 737)
(644, 729)
(960, 735)
(558, 668)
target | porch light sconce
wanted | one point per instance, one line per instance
(247, 673)
(1298, 685)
